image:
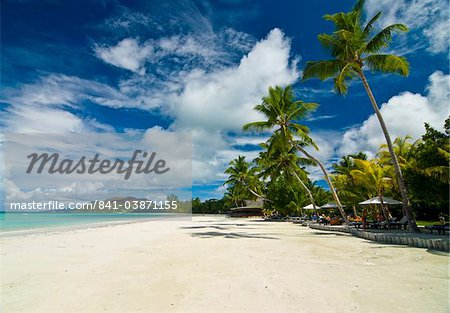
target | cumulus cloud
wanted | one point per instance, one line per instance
(224, 100)
(430, 18)
(404, 114)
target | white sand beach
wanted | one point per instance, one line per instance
(215, 264)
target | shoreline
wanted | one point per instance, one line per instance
(87, 225)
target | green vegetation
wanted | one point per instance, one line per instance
(425, 166)
(212, 206)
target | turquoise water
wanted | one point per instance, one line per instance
(27, 221)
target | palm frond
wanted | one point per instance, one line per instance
(368, 28)
(388, 63)
(322, 69)
(340, 81)
(358, 6)
(258, 126)
(382, 39)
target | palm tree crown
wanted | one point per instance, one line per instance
(353, 45)
(280, 110)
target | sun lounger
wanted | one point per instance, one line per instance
(440, 229)
(324, 221)
(402, 223)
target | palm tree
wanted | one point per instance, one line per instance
(346, 164)
(242, 176)
(281, 159)
(403, 149)
(346, 187)
(353, 46)
(283, 113)
(374, 178)
(441, 172)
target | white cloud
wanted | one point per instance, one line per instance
(320, 117)
(27, 119)
(429, 17)
(42, 106)
(58, 90)
(187, 51)
(404, 114)
(224, 100)
(127, 54)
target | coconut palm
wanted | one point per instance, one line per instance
(403, 149)
(373, 177)
(243, 177)
(346, 187)
(235, 196)
(353, 46)
(282, 112)
(346, 164)
(441, 172)
(281, 159)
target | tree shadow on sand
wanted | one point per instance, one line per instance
(215, 226)
(212, 234)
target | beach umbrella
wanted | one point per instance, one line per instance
(310, 207)
(377, 200)
(330, 205)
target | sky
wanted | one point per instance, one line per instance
(199, 67)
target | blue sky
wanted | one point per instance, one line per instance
(200, 67)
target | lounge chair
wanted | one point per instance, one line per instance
(400, 224)
(324, 221)
(438, 228)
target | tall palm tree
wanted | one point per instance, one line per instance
(282, 112)
(354, 46)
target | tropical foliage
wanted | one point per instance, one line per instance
(283, 113)
(426, 174)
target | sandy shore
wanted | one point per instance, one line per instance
(214, 264)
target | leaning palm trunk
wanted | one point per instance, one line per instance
(307, 190)
(258, 195)
(327, 178)
(398, 172)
